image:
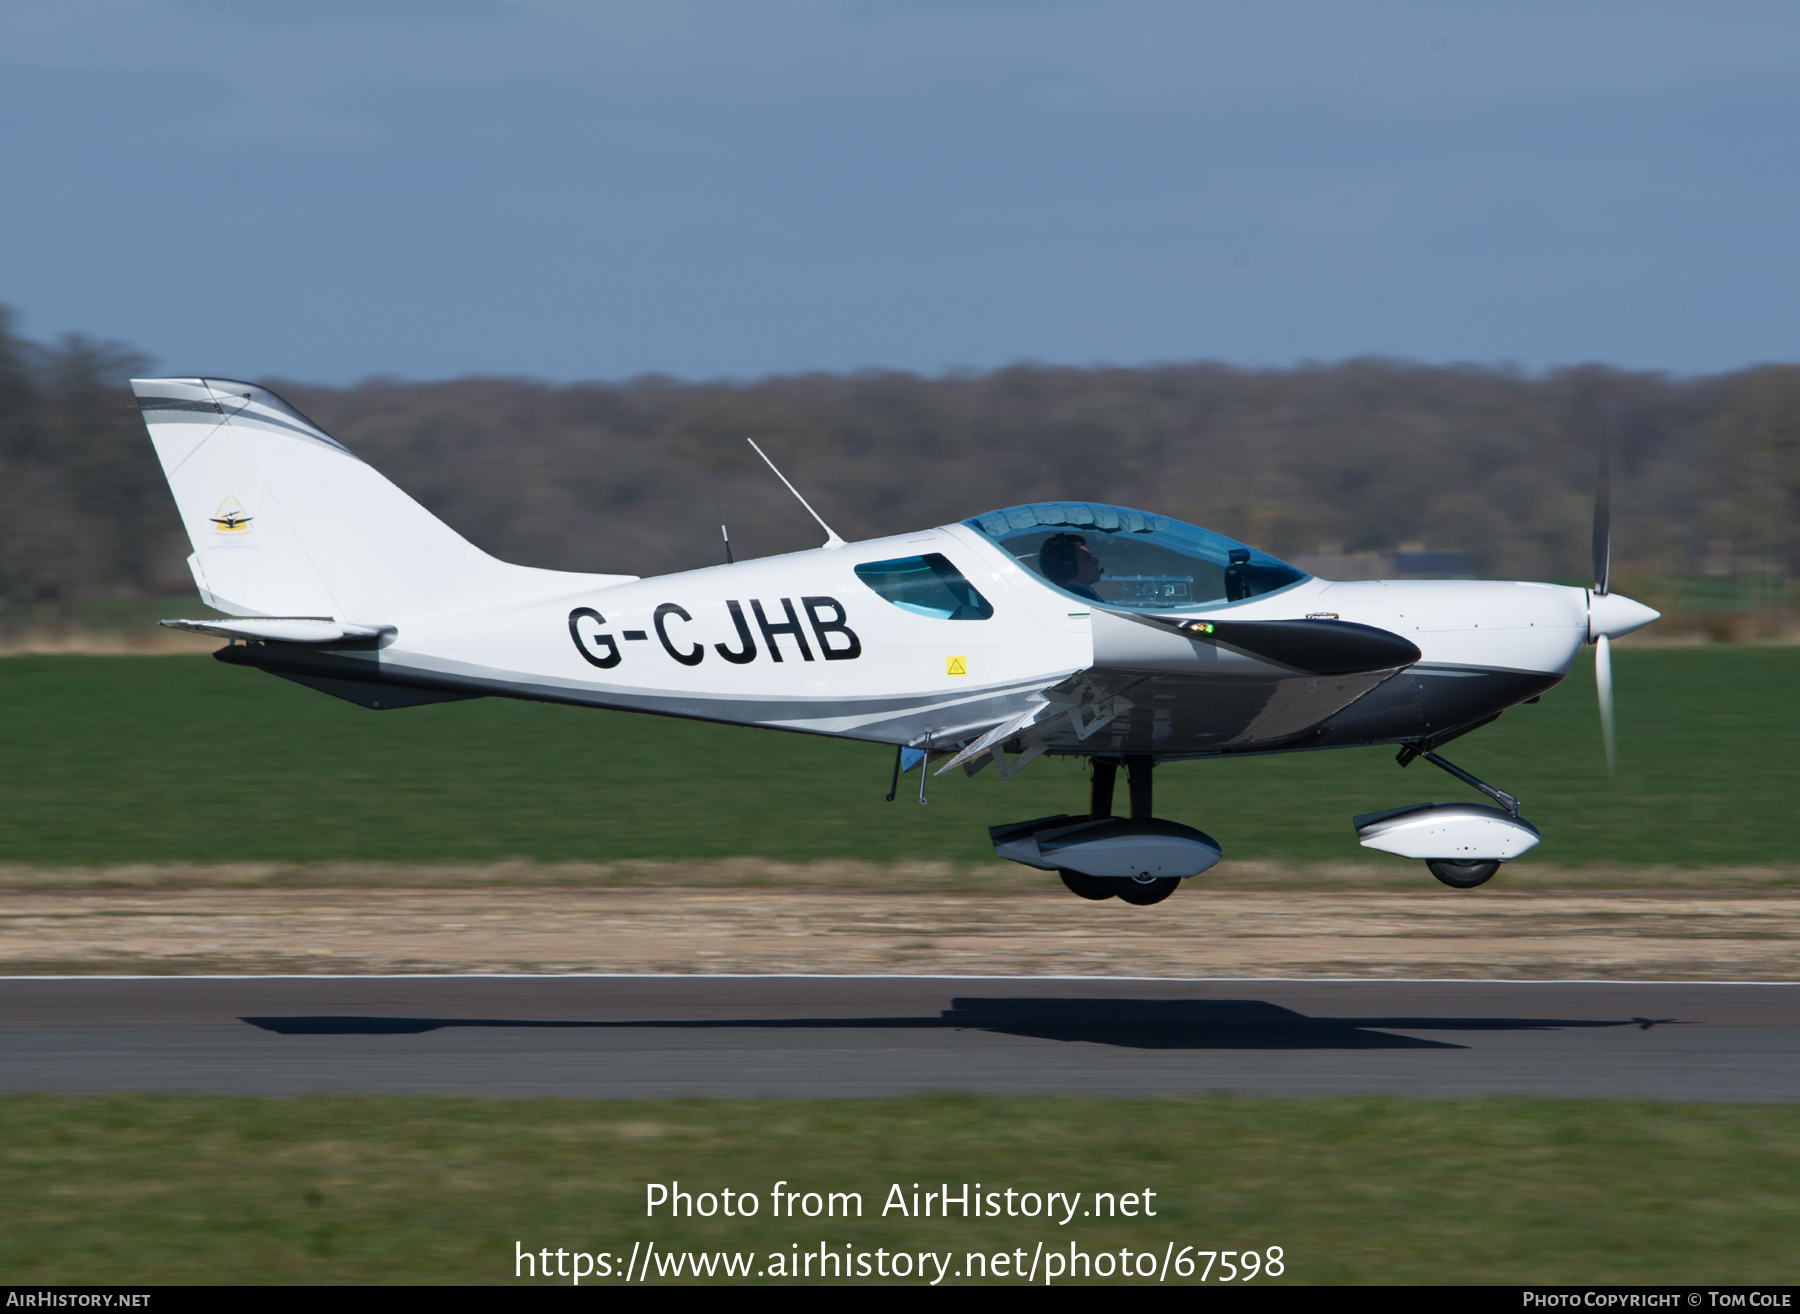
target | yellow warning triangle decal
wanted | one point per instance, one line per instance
(956, 666)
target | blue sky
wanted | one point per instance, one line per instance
(330, 189)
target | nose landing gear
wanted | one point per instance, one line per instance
(1462, 844)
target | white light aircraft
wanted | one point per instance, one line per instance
(1063, 628)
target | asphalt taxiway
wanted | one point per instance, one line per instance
(643, 1036)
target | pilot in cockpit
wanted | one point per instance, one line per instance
(1067, 563)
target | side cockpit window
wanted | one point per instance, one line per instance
(926, 586)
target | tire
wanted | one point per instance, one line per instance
(1088, 887)
(1462, 875)
(1141, 892)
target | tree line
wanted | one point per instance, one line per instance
(636, 477)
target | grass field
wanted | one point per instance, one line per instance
(140, 1189)
(181, 759)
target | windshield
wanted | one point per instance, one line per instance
(1124, 558)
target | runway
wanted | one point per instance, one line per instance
(816, 1037)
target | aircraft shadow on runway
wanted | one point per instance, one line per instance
(1131, 1023)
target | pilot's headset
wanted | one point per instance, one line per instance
(1056, 558)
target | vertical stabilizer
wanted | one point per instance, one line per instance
(287, 521)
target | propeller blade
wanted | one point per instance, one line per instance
(1603, 682)
(1603, 523)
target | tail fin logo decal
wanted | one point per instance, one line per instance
(230, 521)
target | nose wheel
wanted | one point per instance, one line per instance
(1462, 875)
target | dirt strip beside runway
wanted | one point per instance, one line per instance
(1533, 935)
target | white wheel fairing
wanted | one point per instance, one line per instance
(1457, 832)
(1109, 847)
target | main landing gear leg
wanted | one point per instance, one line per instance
(1142, 789)
(1460, 875)
(1103, 774)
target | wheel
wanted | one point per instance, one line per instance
(1462, 875)
(1088, 887)
(1144, 891)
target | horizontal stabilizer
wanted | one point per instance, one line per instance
(376, 697)
(303, 629)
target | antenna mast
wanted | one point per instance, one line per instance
(831, 537)
(724, 533)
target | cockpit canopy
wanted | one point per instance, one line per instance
(1145, 562)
